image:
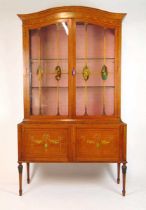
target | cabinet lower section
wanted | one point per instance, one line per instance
(72, 143)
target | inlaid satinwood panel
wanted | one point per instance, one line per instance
(97, 144)
(47, 144)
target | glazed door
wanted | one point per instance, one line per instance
(49, 70)
(72, 70)
(95, 70)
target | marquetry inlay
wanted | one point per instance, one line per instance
(46, 140)
(97, 140)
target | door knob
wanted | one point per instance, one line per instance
(73, 72)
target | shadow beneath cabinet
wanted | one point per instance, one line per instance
(70, 172)
(34, 170)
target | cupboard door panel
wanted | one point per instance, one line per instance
(49, 70)
(97, 144)
(49, 144)
(95, 70)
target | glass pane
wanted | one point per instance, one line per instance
(49, 70)
(95, 70)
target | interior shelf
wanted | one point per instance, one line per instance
(49, 59)
(100, 86)
(49, 87)
(95, 58)
(53, 73)
(65, 59)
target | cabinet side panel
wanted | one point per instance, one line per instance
(125, 143)
(19, 131)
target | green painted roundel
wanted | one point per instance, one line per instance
(104, 72)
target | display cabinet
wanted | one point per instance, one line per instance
(72, 89)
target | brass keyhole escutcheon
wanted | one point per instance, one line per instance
(46, 145)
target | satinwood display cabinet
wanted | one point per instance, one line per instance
(72, 89)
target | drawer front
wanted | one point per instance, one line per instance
(45, 144)
(97, 144)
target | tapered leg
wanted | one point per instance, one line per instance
(28, 177)
(118, 173)
(20, 169)
(124, 168)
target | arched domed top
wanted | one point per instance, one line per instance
(71, 12)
